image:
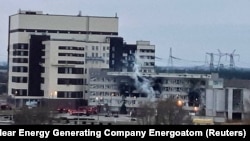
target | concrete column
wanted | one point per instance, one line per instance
(230, 103)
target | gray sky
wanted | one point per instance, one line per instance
(190, 27)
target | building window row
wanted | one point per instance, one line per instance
(19, 79)
(20, 60)
(94, 54)
(71, 54)
(92, 62)
(106, 101)
(69, 81)
(147, 57)
(175, 89)
(105, 48)
(105, 55)
(66, 70)
(96, 79)
(94, 47)
(146, 70)
(174, 96)
(97, 48)
(111, 94)
(177, 81)
(70, 62)
(19, 92)
(19, 69)
(20, 46)
(147, 50)
(70, 48)
(97, 55)
(72, 94)
(149, 64)
(64, 31)
(20, 53)
(95, 86)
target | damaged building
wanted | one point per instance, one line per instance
(81, 59)
(114, 88)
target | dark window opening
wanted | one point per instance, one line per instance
(69, 81)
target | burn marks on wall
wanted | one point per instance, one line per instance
(194, 94)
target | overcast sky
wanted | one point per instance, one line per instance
(191, 28)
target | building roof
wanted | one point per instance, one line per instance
(237, 83)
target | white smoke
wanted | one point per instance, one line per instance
(142, 84)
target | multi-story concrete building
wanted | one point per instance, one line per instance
(49, 55)
(231, 102)
(113, 88)
(124, 56)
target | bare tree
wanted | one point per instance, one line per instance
(164, 112)
(145, 113)
(37, 115)
(170, 112)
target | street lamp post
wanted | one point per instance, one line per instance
(98, 107)
(180, 104)
(15, 99)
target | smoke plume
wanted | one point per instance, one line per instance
(142, 84)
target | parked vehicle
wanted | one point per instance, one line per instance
(77, 112)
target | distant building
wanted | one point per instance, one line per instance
(231, 102)
(52, 60)
(124, 56)
(49, 55)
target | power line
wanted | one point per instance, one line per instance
(211, 62)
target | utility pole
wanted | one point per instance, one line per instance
(211, 64)
(220, 55)
(231, 55)
(170, 59)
